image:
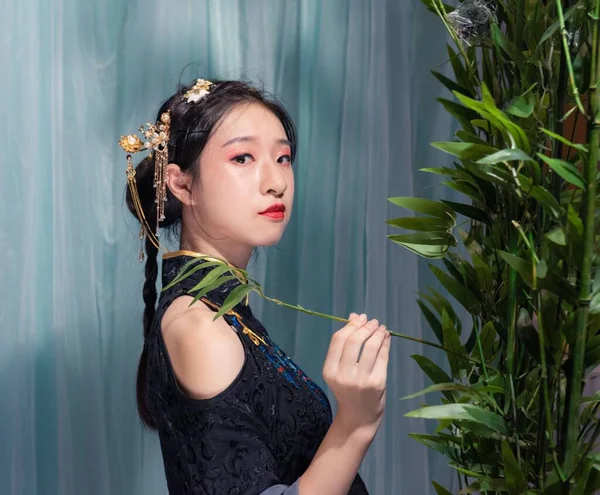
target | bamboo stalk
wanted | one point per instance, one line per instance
(573, 401)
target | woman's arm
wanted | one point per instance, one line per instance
(359, 387)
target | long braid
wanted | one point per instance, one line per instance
(149, 295)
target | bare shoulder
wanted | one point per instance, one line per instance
(206, 355)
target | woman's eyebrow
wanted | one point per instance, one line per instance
(254, 139)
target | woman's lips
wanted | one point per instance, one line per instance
(275, 215)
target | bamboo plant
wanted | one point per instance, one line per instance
(518, 254)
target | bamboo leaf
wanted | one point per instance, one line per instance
(507, 155)
(460, 72)
(433, 321)
(523, 267)
(449, 83)
(426, 251)
(212, 286)
(546, 199)
(425, 239)
(211, 276)
(442, 387)
(465, 151)
(521, 107)
(554, 27)
(463, 295)
(557, 236)
(483, 271)
(509, 47)
(459, 112)
(425, 224)
(452, 342)
(434, 372)
(558, 137)
(187, 271)
(512, 472)
(567, 171)
(469, 137)
(440, 490)
(427, 206)
(488, 338)
(468, 211)
(234, 298)
(466, 412)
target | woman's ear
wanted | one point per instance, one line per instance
(180, 184)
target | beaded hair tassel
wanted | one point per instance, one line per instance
(157, 139)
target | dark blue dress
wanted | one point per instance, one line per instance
(263, 430)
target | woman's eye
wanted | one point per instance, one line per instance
(285, 158)
(241, 159)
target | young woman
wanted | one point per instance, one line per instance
(234, 414)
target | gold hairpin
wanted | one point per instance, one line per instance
(198, 91)
(157, 139)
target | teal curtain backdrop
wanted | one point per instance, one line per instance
(77, 75)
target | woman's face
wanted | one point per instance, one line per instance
(245, 169)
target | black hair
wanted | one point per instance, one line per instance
(192, 124)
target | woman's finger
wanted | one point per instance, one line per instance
(368, 358)
(338, 340)
(379, 373)
(354, 343)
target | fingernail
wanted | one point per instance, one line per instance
(363, 317)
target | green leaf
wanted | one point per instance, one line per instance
(488, 338)
(425, 239)
(424, 250)
(440, 490)
(463, 295)
(468, 211)
(460, 72)
(465, 151)
(509, 47)
(452, 342)
(545, 198)
(554, 27)
(234, 298)
(557, 236)
(469, 137)
(564, 140)
(522, 266)
(448, 172)
(426, 224)
(442, 387)
(212, 286)
(440, 303)
(521, 107)
(433, 321)
(566, 170)
(488, 110)
(211, 276)
(483, 271)
(512, 472)
(459, 112)
(185, 271)
(449, 83)
(434, 372)
(465, 187)
(427, 206)
(507, 155)
(435, 443)
(466, 412)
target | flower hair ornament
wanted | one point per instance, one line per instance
(156, 139)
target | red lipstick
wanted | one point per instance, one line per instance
(275, 212)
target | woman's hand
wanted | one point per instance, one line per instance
(359, 384)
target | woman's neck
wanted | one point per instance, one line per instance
(236, 255)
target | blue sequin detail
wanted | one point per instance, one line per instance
(284, 365)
